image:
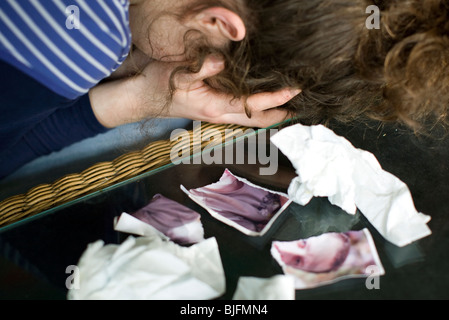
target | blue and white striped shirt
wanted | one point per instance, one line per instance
(66, 45)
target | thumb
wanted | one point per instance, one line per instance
(212, 66)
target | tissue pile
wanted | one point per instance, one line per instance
(153, 267)
(150, 268)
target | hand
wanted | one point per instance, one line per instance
(195, 100)
(145, 96)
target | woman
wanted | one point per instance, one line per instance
(228, 61)
(52, 98)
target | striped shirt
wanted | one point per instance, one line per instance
(66, 45)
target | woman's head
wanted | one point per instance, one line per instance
(302, 44)
(345, 70)
(324, 253)
(176, 30)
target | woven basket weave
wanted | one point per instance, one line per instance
(105, 174)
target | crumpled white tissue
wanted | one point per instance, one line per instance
(278, 287)
(328, 165)
(149, 268)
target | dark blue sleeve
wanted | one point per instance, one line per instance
(34, 121)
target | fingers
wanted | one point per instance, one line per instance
(262, 119)
(263, 109)
(269, 100)
(259, 101)
(209, 105)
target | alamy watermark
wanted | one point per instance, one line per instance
(73, 280)
(373, 279)
(233, 146)
(72, 21)
(373, 21)
(73, 17)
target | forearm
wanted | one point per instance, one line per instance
(132, 99)
(116, 102)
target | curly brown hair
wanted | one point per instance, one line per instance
(347, 72)
(409, 58)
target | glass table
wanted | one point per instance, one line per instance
(35, 252)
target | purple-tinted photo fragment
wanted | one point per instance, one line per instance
(328, 258)
(235, 201)
(178, 222)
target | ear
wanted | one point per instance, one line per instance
(219, 22)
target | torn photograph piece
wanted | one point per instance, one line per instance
(328, 258)
(149, 268)
(237, 202)
(328, 165)
(176, 221)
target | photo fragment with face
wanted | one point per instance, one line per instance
(328, 258)
(179, 223)
(237, 202)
